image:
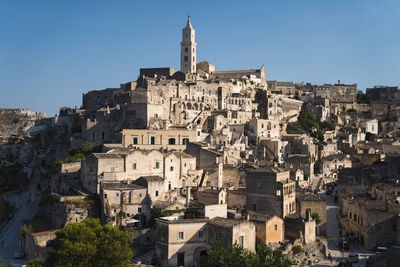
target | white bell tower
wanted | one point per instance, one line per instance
(188, 49)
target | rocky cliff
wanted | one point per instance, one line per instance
(17, 121)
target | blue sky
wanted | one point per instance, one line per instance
(53, 51)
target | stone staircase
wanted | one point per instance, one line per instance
(146, 258)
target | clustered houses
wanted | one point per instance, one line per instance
(205, 155)
(369, 198)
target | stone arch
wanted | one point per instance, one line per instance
(189, 105)
(195, 106)
(200, 254)
(201, 106)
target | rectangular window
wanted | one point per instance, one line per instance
(254, 207)
(139, 210)
(276, 227)
(156, 193)
(157, 165)
(201, 234)
(186, 58)
(172, 168)
(117, 194)
(171, 141)
(180, 235)
(135, 140)
(241, 241)
(133, 166)
(183, 183)
(219, 236)
(185, 141)
(190, 166)
(259, 184)
(112, 169)
(186, 49)
(152, 140)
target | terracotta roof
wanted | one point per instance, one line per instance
(267, 170)
(224, 222)
(255, 216)
(334, 156)
(235, 71)
(308, 197)
(43, 232)
(106, 156)
(152, 178)
(117, 186)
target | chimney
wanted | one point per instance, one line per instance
(187, 196)
(308, 215)
(220, 170)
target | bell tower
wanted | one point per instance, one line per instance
(188, 49)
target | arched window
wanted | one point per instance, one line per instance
(171, 141)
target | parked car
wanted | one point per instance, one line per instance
(19, 255)
(379, 250)
(353, 257)
(344, 245)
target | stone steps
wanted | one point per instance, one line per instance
(144, 259)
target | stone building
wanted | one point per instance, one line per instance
(265, 128)
(339, 93)
(382, 93)
(183, 242)
(284, 88)
(172, 138)
(371, 223)
(241, 232)
(297, 227)
(176, 169)
(270, 191)
(370, 126)
(122, 201)
(269, 229)
(330, 165)
(316, 205)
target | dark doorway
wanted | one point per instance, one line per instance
(203, 256)
(181, 259)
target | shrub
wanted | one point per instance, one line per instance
(297, 249)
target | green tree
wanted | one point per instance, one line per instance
(236, 256)
(88, 243)
(316, 218)
(267, 257)
(4, 265)
(34, 263)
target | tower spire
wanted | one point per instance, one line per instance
(188, 49)
(188, 24)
